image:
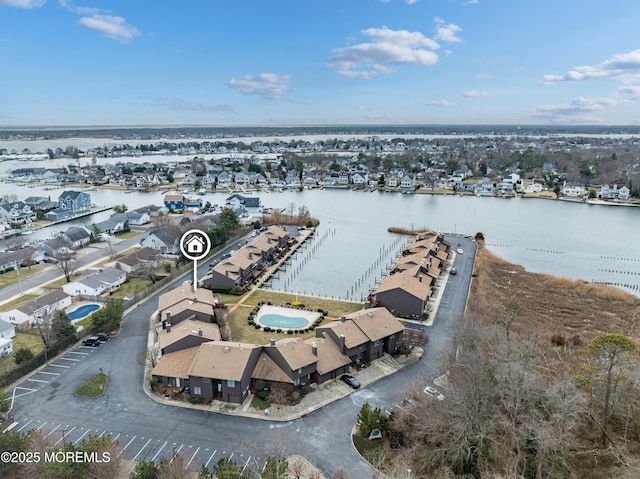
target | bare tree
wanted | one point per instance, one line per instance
(173, 468)
(67, 264)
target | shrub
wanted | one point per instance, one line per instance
(257, 326)
(251, 322)
(153, 382)
(22, 355)
(312, 327)
(236, 290)
(195, 400)
(558, 340)
(290, 331)
(263, 395)
(267, 329)
(269, 303)
(306, 330)
(279, 330)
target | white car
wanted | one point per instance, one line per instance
(459, 251)
(434, 393)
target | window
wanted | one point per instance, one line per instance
(197, 391)
(231, 383)
(206, 380)
(376, 343)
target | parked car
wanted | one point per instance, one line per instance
(434, 393)
(93, 341)
(351, 381)
(459, 251)
(453, 271)
(187, 282)
(226, 255)
(102, 337)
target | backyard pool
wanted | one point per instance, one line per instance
(285, 318)
(83, 311)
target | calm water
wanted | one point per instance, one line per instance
(352, 246)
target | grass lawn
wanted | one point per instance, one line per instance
(365, 447)
(11, 304)
(243, 332)
(129, 234)
(11, 277)
(132, 286)
(230, 299)
(22, 340)
(256, 402)
(94, 387)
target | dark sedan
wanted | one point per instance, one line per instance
(351, 381)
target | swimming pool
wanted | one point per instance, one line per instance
(285, 318)
(83, 311)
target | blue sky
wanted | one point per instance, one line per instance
(308, 62)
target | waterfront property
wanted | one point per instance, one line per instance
(69, 203)
(183, 303)
(187, 334)
(407, 289)
(250, 261)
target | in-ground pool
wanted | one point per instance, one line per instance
(285, 318)
(83, 311)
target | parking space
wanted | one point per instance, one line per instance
(136, 447)
(53, 371)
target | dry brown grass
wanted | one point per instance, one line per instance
(540, 305)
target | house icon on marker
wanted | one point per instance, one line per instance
(195, 244)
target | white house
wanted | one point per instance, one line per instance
(392, 181)
(408, 181)
(512, 178)
(360, 178)
(30, 312)
(573, 189)
(96, 282)
(7, 333)
(613, 192)
(530, 186)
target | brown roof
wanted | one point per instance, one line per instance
(188, 305)
(376, 323)
(185, 292)
(406, 282)
(175, 365)
(222, 360)
(268, 370)
(143, 254)
(295, 352)
(353, 335)
(173, 197)
(186, 328)
(329, 356)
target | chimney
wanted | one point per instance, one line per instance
(273, 341)
(226, 273)
(167, 316)
(199, 331)
(314, 349)
(420, 278)
(343, 318)
(342, 344)
(168, 327)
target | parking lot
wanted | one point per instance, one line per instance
(54, 370)
(139, 447)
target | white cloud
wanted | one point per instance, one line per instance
(411, 2)
(447, 32)
(23, 3)
(474, 94)
(443, 103)
(470, 2)
(113, 27)
(578, 109)
(631, 91)
(268, 85)
(388, 47)
(624, 67)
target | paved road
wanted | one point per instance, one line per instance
(148, 430)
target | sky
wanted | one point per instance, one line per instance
(311, 62)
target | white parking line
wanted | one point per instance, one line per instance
(207, 464)
(25, 425)
(38, 380)
(154, 457)
(102, 434)
(53, 430)
(245, 465)
(79, 352)
(128, 444)
(192, 457)
(64, 435)
(176, 453)
(116, 438)
(136, 456)
(68, 359)
(59, 366)
(51, 374)
(41, 426)
(78, 440)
